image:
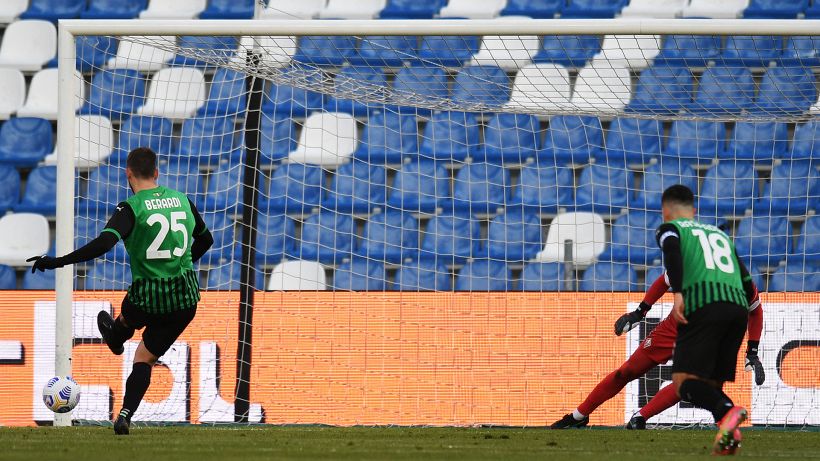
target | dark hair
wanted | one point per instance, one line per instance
(678, 194)
(142, 162)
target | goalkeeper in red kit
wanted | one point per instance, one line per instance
(656, 349)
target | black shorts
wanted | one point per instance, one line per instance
(708, 345)
(161, 330)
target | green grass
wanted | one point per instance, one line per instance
(393, 443)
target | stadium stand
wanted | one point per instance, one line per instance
(297, 275)
(139, 131)
(510, 138)
(540, 9)
(115, 93)
(689, 50)
(275, 237)
(775, 9)
(631, 140)
(25, 141)
(449, 51)
(634, 51)
(415, 80)
(514, 236)
(10, 10)
(411, 9)
(41, 101)
(224, 189)
(293, 9)
(718, 9)
(762, 240)
(801, 51)
(28, 45)
(696, 141)
(479, 188)
(387, 137)
(806, 141)
(222, 230)
(585, 230)
(654, 8)
(472, 9)
(179, 174)
(633, 239)
(10, 188)
(357, 187)
(327, 139)
(23, 235)
(185, 83)
(542, 277)
(419, 187)
(793, 190)
(277, 138)
(294, 188)
(602, 189)
(543, 188)
(423, 275)
(572, 139)
(751, 50)
(345, 82)
(325, 50)
(786, 90)
(483, 275)
(207, 138)
(39, 280)
(12, 92)
(762, 142)
(390, 236)
(385, 51)
(662, 90)
(327, 237)
(113, 9)
(228, 9)
(796, 277)
(593, 8)
(808, 242)
(40, 195)
(227, 276)
(568, 50)
(360, 274)
(214, 45)
(724, 90)
(450, 136)
(509, 53)
(657, 177)
(451, 239)
(53, 10)
(728, 188)
(8, 278)
(606, 276)
(543, 86)
(178, 9)
(604, 87)
(360, 9)
(138, 56)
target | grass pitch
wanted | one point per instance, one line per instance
(389, 443)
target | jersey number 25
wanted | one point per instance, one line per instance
(153, 251)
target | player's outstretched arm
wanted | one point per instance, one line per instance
(203, 240)
(755, 329)
(629, 321)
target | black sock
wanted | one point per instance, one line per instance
(121, 332)
(135, 387)
(706, 396)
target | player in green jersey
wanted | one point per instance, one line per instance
(712, 290)
(164, 236)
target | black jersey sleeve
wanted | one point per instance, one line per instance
(121, 222)
(203, 240)
(119, 226)
(669, 241)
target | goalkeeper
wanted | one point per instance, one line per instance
(656, 349)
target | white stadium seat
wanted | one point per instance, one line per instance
(276, 50)
(28, 45)
(352, 9)
(298, 276)
(473, 9)
(293, 9)
(93, 142)
(327, 139)
(173, 9)
(139, 56)
(12, 92)
(175, 93)
(42, 95)
(587, 233)
(10, 9)
(508, 53)
(725, 9)
(22, 235)
(602, 88)
(654, 8)
(541, 87)
(633, 51)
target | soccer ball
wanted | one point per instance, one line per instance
(61, 394)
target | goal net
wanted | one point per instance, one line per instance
(444, 228)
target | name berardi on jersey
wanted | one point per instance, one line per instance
(162, 203)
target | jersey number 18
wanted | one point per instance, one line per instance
(716, 251)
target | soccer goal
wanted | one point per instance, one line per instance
(435, 222)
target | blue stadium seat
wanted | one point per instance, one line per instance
(106, 275)
(424, 275)
(786, 90)
(782, 9)
(390, 236)
(223, 230)
(652, 274)
(696, 140)
(451, 238)
(416, 83)
(479, 188)
(8, 278)
(291, 101)
(294, 188)
(388, 136)
(603, 189)
(357, 187)
(689, 50)
(327, 237)
(226, 95)
(411, 9)
(277, 138)
(224, 192)
(606, 276)
(806, 141)
(114, 9)
(542, 277)
(657, 177)
(385, 51)
(419, 187)
(762, 142)
(633, 239)
(593, 8)
(540, 9)
(751, 50)
(448, 50)
(25, 141)
(203, 45)
(631, 140)
(662, 90)
(325, 50)
(52, 10)
(813, 11)
(724, 90)
(10, 187)
(360, 274)
(808, 242)
(485, 86)
(92, 52)
(41, 191)
(568, 50)
(793, 190)
(181, 175)
(209, 139)
(39, 280)
(801, 51)
(762, 240)
(450, 136)
(115, 93)
(229, 9)
(514, 236)
(106, 188)
(729, 188)
(484, 275)
(544, 188)
(511, 138)
(572, 139)
(143, 131)
(227, 276)
(351, 79)
(275, 237)
(796, 277)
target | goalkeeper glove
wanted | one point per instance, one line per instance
(43, 263)
(753, 363)
(629, 321)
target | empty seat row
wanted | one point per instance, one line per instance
(54, 10)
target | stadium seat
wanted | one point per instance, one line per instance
(568, 50)
(813, 11)
(424, 275)
(762, 142)
(783, 9)
(786, 90)
(544, 188)
(12, 92)
(724, 90)
(325, 50)
(795, 277)
(275, 50)
(357, 187)
(419, 187)
(175, 93)
(411, 9)
(277, 138)
(226, 94)
(808, 242)
(92, 52)
(293, 9)
(140, 131)
(387, 137)
(390, 236)
(751, 50)
(275, 237)
(659, 176)
(228, 9)
(473, 9)
(113, 9)
(539, 9)
(633, 239)
(52, 10)
(631, 140)
(603, 189)
(140, 56)
(42, 95)
(298, 276)
(448, 50)
(507, 52)
(815, 108)
(40, 195)
(606, 276)
(327, 139)
(223, 232)
(359, 9)
(327, 237)
(541, 87)
(602, 87)
(28, 45)
(806, 141)
(360, 274)
(762, 240)
(632, 51)
(181, 175)
(115, 94)
(8, 278)
(484, 275)
(654, 8)
(294, 188)
(227, 276)
(689, 50)
(106, 188)
(10, 188)
(39, 280)
(10, 10)
(107, 275)
(353, 80)
(572, 139)
(801, 51)
(24, 141)
(718, 9)
(224, 192)
(23, 235)
(450, 136)
(93, 141)
(385, 51)
(542, 277)
(514, 236)
(662, 90)
(451, 239)
(792, 190)
(729, 188)
(419, 83)
(207, 138)
(178, 9)
(485, 86)
(479, 188)
(587, 233)
(217, 47)
(293, 101)
(511, 138)
(696, 140)
(593, 8)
